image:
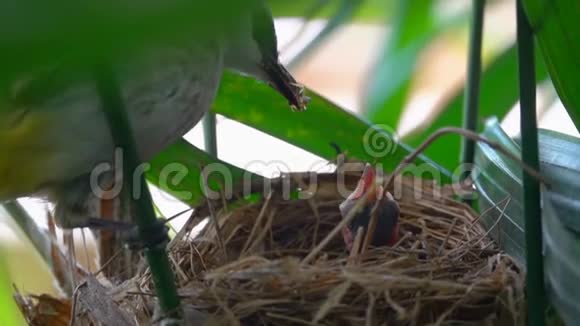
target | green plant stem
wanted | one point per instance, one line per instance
(113, 107)
(471, 100)
(532, 211)
(210, 134)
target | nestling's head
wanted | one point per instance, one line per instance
(387, 228)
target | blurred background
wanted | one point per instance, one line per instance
(343, 67)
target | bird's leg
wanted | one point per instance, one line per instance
(73, 216)
(98, 223)
(108, 242)
(77, 205)
(154, 236)
(129, 235)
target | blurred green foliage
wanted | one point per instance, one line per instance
(9, 313)
(499, 92)
(372, 10)
(35, 34)
(38, 33)
(412, 28)
(346, 11)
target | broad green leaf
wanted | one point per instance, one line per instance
(555, 24)
(499, 92)
(499, 179)
(177, 171)
(324, 125)
(499, 184)
(317, 129)
(412, 28)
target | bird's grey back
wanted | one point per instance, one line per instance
(166, 92)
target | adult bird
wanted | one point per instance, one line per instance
(387, 226)
(53, 133)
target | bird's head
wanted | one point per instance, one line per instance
(252, 48)
(386, 231)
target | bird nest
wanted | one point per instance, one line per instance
(280, 261)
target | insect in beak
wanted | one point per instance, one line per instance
(282, 81)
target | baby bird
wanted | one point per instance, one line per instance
(387, 227)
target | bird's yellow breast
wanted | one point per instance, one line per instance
(24, 146)
(63, 134)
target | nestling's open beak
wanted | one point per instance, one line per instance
(386, 230)
(281, 80)
(365, 183)
(367, 180)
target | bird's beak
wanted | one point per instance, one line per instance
(365, 183)
(362, 188)
(282, 81)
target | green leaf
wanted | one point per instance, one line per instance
(555, 24)
(177, 171)
(411, 31)
(500, 178)
(324, 125)
(499, 92)
(316, 130)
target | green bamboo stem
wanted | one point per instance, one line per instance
(471, 99)
(113, 107)
(532, 211)
(210, 134)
